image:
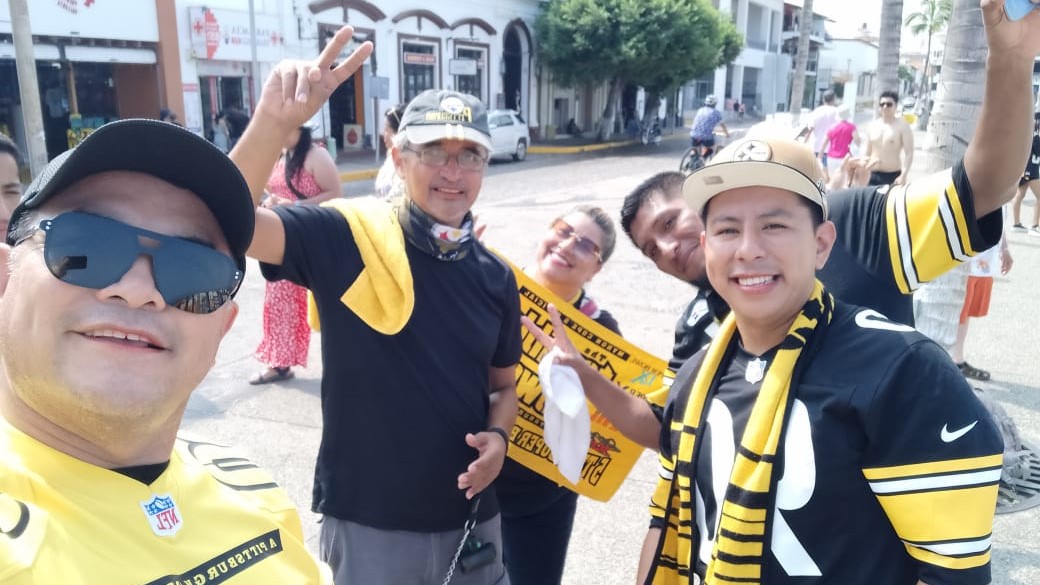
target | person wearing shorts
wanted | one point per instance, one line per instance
(976, 301)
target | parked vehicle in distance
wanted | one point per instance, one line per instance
(509, 134)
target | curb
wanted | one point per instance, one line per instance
(362, 175)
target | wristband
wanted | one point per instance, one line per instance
(502, 433)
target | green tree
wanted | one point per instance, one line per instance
(658, 44)
(932, 18)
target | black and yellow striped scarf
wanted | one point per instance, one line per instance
(747, 510)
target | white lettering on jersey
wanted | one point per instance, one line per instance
(794, 490)
(723, 452)
(871, 319)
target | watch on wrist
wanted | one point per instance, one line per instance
(502, 433)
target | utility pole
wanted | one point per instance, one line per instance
(254, 87)
(28, 86)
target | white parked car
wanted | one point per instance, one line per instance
(509, 134)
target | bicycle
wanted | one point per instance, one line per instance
(694, 158)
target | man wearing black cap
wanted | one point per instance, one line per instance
(420, 338)
(120, 270)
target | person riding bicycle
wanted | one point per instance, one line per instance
(704, 122)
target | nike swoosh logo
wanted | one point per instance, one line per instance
(949, 436)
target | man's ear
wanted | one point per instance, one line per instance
(826, 234)
(5, 267)
(395, 153)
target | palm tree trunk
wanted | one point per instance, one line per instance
(962, 82)
(926, 83)
(888, 44)
(802, 62)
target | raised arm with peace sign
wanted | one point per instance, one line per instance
(292, 94)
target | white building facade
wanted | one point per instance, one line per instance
(482, 47)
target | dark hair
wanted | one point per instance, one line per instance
(604, 223)
(25, 225)
(393, 117)
(220, 116)
(8, 146)
(667, 185)
(829, 96)
(890, 94)
(294, 160)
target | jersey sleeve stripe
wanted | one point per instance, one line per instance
(954, 563)
(974, 478)
(931, 468)
(900, 252)
(953, 225)
(957, 549)
(942, 516)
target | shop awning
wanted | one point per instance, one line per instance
(110, 55)
(83, 54)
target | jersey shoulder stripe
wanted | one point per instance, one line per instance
(930, 224)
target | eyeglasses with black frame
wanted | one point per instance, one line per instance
(887, 104)
(435, 156)
(95, 252)
(583, 245)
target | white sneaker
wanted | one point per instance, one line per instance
(1035, 231)
(1019, 228)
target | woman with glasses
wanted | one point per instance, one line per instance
(305, 175)
(538, 514)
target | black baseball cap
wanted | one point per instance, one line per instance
(165, 151)
(440, 114)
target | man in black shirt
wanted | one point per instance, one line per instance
(421, 335)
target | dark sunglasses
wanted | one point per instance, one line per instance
(887, 104)
(95, 252)
(583, 245)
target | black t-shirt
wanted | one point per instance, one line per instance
(886, 444)
(396, 408)
(890, 241)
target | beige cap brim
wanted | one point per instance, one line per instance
(426, 133)
(713, 179)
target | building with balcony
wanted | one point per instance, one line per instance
(756, 78)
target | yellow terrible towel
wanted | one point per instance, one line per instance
(383, 294)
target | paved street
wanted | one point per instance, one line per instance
(279, 425)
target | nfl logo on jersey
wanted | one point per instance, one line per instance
(162, 515)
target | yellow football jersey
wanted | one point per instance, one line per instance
(212, 517)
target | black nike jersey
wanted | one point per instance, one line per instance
(889, 464)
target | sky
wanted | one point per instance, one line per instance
(850, 15)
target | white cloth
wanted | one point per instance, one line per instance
(567, 429)
(823, 118)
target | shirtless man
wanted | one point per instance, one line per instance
(887, 136)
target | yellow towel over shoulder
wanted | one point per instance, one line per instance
(383, 295)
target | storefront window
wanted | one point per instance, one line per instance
(419, 63)
(472, 84)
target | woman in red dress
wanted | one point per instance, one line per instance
(305, 175)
